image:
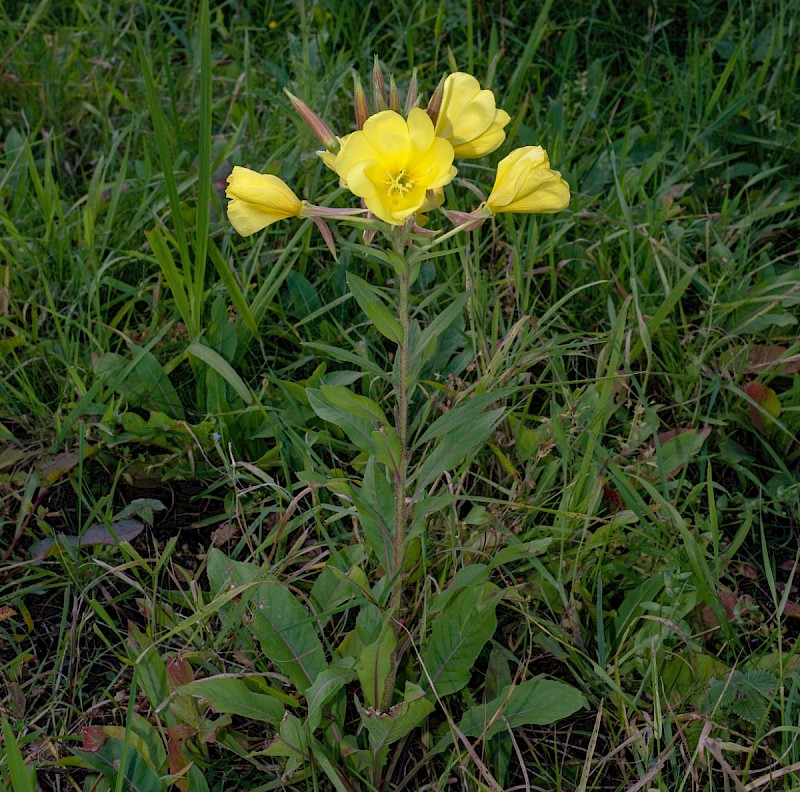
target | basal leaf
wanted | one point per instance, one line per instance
(766, 398)
(385, 728)
(288, 634)
(327, 684)
(231, 695)
(537, 702)
(97, 533)
(285, 629)
(458, 634)
(141, 381)
(374, 664)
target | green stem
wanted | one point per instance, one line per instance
(402, 393)
(401, 427)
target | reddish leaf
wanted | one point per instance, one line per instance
(179, 672)
(94, 737)
(791, 609)
(771, 357)
(766, 398)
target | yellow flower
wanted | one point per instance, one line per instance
(468, 117)
(258, 199)
(525, 183)
(392, 162)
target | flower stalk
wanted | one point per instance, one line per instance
(402, 390)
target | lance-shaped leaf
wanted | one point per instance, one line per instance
(232, 696)
(141, 381)
(537, 702)
(385, 728)
(371, 302)
(458, 634)
(374, 664)
(285, 629)
(358, 416)
(466, 432)
(374, 501)
(287, 634)
(327, 684)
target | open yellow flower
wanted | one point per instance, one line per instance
(525, 183)
(258, 199)
(392, 162)
(468, 117)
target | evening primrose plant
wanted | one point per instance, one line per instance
(397, 162)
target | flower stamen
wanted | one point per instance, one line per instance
(401, 183)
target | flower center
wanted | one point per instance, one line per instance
(400, 183)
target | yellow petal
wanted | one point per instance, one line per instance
(525, 183)
(393, 161)
(258, 199)
(388, 133)
(468, 117)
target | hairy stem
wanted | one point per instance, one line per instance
(402, 392)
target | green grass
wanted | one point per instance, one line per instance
(149, 355)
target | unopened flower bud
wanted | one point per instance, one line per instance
(435, 103)
(412, 94)
(378, 87)
(321, 130)
(394, 99)
(360, 101)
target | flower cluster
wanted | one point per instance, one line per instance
(399, 161)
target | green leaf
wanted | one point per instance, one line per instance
(234, 291)
(138, 775)
(218, 363)
(374, 664)
(374, 502)
(461, 441)
(23, 778)
(384, 728)
(141, 381)
(287, 634)
(515, 552)
(371, 303)
(342, 355)
(439, 324)
(172, 273)
(458, 634)
(342, 398)
(387, 447)
(327, 684)
(285, 629)
(537, 702)
(291, 739)
(356, 415)
(232, 696)
(459, 417)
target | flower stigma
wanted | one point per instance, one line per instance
(401, 183)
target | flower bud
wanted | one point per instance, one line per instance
(525, 183)
(320, 129)
(435, 102)
(412, 94)
(394, 99)
(360, 101)
(468, 117)
(378, 87)
(258, 199)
